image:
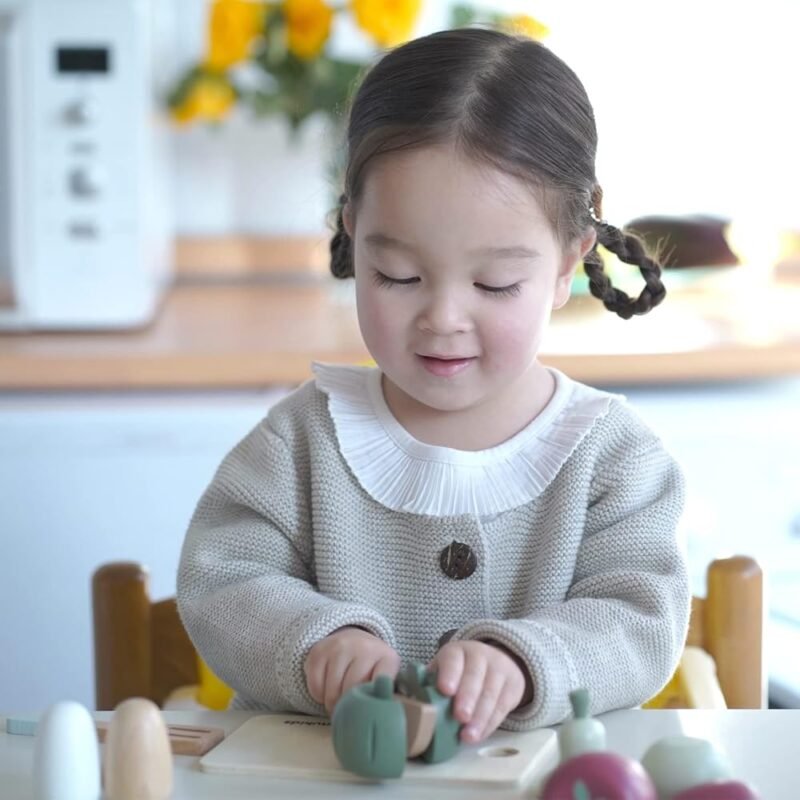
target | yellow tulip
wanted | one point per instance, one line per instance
(233, 26)
(526, 26)
(309, 24)
(389, 22)
(209, 98)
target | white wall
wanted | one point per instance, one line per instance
(695, 103)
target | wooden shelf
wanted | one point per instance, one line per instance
(244, 329)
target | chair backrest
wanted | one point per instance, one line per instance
(728, 624)
(141, 648)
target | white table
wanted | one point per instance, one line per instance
(764, 747)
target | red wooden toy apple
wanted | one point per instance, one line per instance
(592, 776)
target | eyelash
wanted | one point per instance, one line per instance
(385, 280)
(512, 290)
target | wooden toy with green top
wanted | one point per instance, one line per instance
(377, 726)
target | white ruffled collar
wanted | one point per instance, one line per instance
(404, 474)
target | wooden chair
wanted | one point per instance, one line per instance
(728, 624)
(142, 649)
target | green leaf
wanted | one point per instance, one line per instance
(263, 103)
(334, 85)
(183, 86)
(580, 791)
(462, 16)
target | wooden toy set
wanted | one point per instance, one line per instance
(375, 730)
(384, 729)
(137, 759)
(674, 768)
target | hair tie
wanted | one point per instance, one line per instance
(595, 218)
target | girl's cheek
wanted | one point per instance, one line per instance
(383, 314)
(510, 340)
(509, 330)
(378, 320)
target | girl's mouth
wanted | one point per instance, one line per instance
(445, 367)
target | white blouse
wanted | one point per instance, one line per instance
(404, 474)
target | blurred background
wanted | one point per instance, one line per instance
(166, 171)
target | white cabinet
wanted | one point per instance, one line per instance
(85, 480)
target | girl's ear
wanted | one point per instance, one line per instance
(573, 256)
(347, 219)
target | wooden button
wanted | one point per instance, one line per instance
(457, 561)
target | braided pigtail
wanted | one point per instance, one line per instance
(341, 246)
(627, 248)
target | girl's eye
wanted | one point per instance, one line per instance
(511, 290)
(385, 280)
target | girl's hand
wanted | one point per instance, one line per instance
(486, 682)
(343, 659)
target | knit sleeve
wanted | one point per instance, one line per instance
(622, 627)
(246, 584)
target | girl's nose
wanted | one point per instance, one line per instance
(443, 314)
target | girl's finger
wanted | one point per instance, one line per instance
(470, 687)
(485, 707)
(358, 672)
(495, 720)
(388, 664)
(315, 678)
(449, 665)
(334, 674)
(508, 699)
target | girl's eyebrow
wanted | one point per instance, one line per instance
(514, 251)
(381, 240)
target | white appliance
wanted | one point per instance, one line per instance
(85, 234)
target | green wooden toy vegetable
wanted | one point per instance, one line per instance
(373, 727)
(417, 682)
(583, 734)
(369, 730)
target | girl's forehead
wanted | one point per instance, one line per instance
(442, 183)
(444, 159)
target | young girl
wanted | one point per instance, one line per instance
(460, 504)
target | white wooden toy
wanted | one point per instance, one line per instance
(66, 762)
(676, 763)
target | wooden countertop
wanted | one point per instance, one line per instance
(244, 328)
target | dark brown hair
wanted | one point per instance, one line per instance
(503, 100)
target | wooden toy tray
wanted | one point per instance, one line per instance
(184, 740)
(294, 746)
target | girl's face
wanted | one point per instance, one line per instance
(457, 270)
